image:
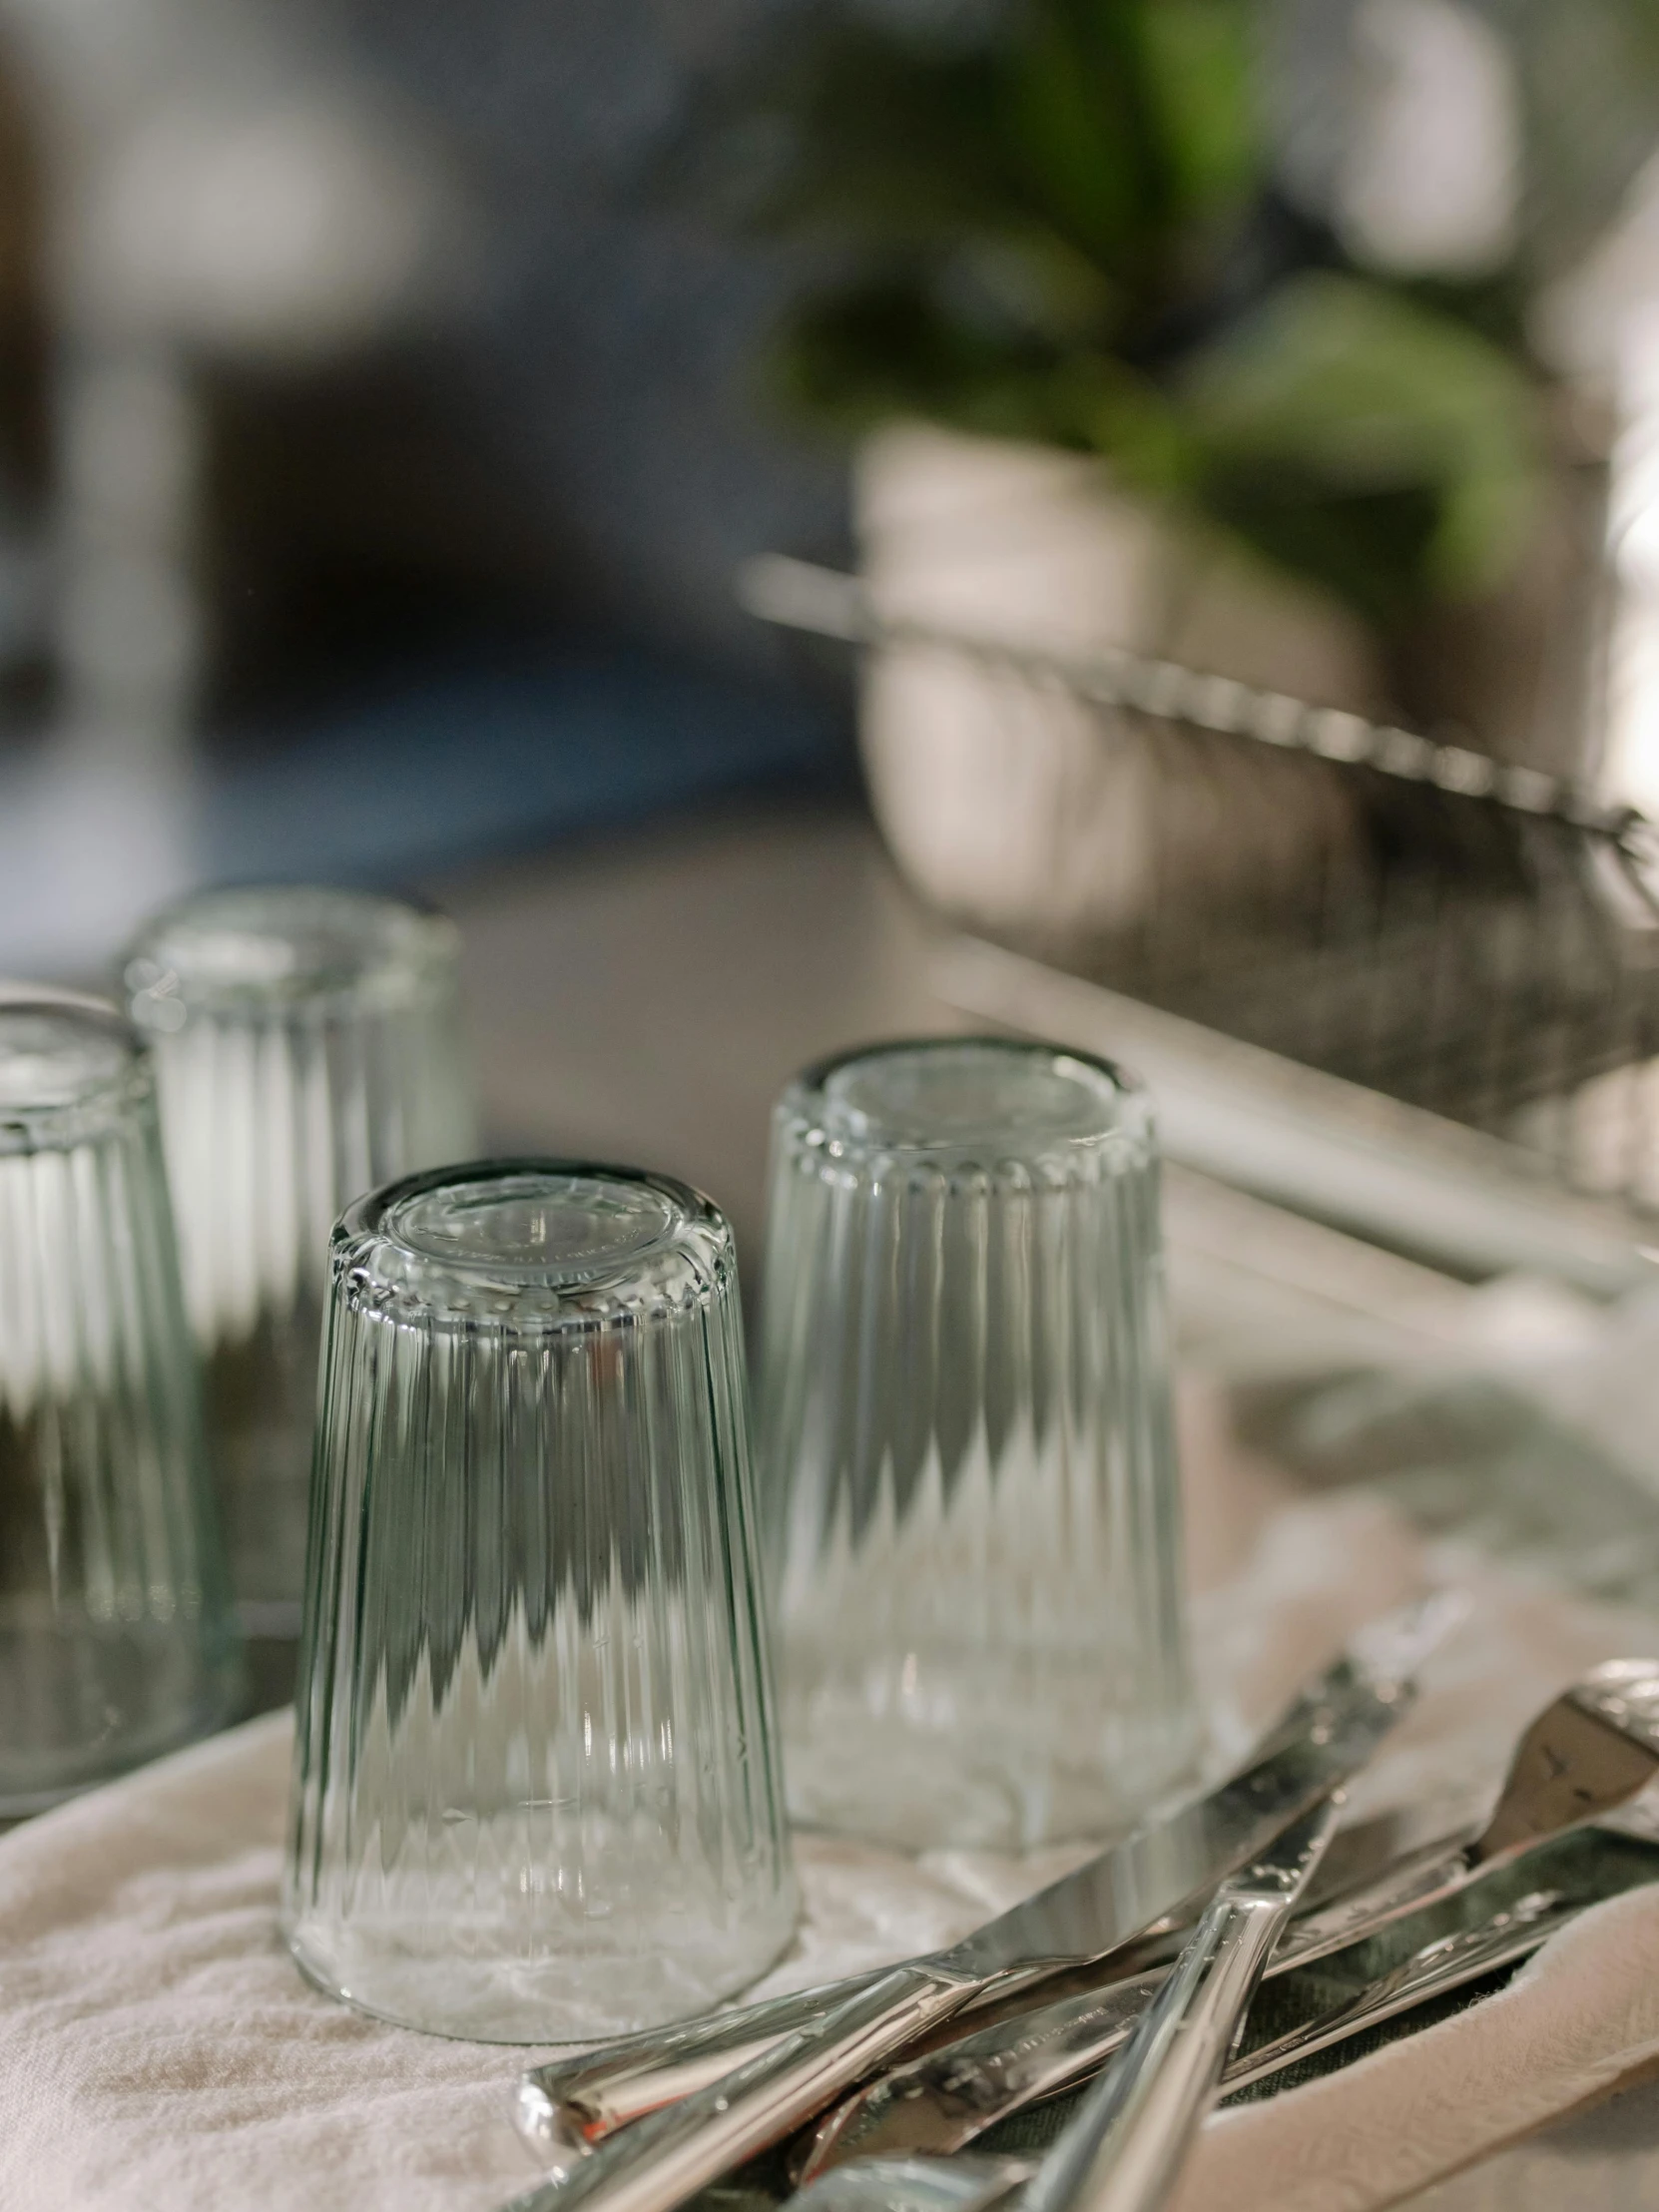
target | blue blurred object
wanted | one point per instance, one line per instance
(426, 774)
(469, 764)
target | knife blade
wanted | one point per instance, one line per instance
(568, 2106)
(663, 2159)
(1593, 1749)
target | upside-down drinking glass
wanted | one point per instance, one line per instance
(116, 1641)
(967, 1479)
(307, 1049)
(536, 1793)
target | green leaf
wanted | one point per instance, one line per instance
(1030, 283)
(1040, 205)
(1200, 80)
(1077, 124)
(1134, 121)
(1339, 391)
(1131, 423)
(868, 351)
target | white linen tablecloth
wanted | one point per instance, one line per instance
(158, 2048)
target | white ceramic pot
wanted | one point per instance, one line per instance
(1023, 810)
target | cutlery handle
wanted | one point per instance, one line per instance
(953, 2095)
(890, 2183)
(874, 2184)
(975, 2184)
(1437, 1968)
(569, 2105)
(938, 2105)
(956, 2093)
(919, 2181)
(1421, 1882)
(1125, 2148)
(667, 2158)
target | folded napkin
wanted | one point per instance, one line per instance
(158, 2048)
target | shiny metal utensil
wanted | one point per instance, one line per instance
(1129, 2139)
(665, 2158)
(972, 2184)
(1588, 1752)
(941, 2103)
(1590, 1749)
(1433, 1970)
(1155, 1875)
(903, 2166)
(568, 2107)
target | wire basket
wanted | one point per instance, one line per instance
(1471, 938)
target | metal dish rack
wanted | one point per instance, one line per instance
(1483, 948)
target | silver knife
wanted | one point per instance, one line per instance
(568, 2106)
(902, 2166)
(663, 2159)
(565, 2108)
(1591, 1749)
(1130, 2136)
(948, 2100)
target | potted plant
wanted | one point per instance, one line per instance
(1121, 376)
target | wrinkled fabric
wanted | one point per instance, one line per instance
(158, 2047)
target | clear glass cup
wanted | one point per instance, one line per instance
(116, 1639)
(536, 1793)
(307, 1049)
(967, 1479)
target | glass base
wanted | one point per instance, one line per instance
(997, 1777)
(422, 1976)
(80, 1707)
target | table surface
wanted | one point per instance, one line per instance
(647, 998)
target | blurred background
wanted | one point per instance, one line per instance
(377, 446)
(391, 396)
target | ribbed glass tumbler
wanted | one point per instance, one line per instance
(116, 1640)
(308, 1047)
(967, 1479)
(536, 1793)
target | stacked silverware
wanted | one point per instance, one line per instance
(1139, 1969)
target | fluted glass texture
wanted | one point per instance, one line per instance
(116, 1640)
(307, 1049)
(967, 1479)
(536, 1793)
